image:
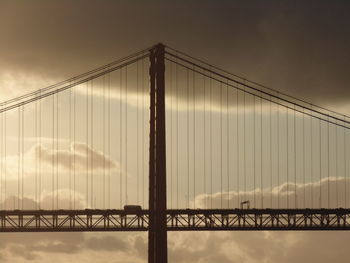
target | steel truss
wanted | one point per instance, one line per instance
(177, 220)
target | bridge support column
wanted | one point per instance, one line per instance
(157, 235)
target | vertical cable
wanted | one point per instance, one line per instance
(328, 164)
(19, 158)
(278, 153)
(336, 162)
(5, 153)
(194, 136)
(210, 141)
(57, 107)
(120, 137)
(304, 156)
(22, 198)
(126, 135)
(345, 166)
(204, 144)
(92, 144)
(295, 160)
(187, 137)
(271, 184)
(1, 162)
(143, 135)
(171, 133)
(244, 147)
(40, 150)
(312, 162)
(319, 123)
(221, 153)
(87, 143)
(35, 153)
(74, 143)
(287, 114)
(177, 136)
(228, 146)
(261, 153)
(104, 139)
(53, 152)
(237, 148)
(254, 157)
(137, 131)
(109, 140)
(70, 148)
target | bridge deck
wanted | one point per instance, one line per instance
(177, 220)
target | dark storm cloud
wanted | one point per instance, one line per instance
(297, 47)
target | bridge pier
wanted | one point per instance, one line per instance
(157, 234)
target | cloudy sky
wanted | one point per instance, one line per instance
(297, 47)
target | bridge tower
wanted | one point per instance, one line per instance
(157, 235)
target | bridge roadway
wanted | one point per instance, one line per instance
(177, 220)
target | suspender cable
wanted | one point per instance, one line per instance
(137, 131)
(194, 137)
(312, 163)
(244, 148)
(92, 144)
(104, 139)
(40, 150)
(187, 137)
(57, 149)
(336, 164)
(126, 135)
(120, 137)
(287, 114)
(1, 162)
(87, 143)
(204, 145)
(53, 152)
(5, 165)
(328, 166)
(221, 153)
(254, 157)
(261, 156)
(345, 166)
(22, 156)
(171, 133)
(35, 155)
(270, 140)
(70, 148)
(304, 156)
(143, 133)
(74, 143)
(320, 142)
(211, 143)
(228, 146)
(278, 156)
(19, 159)
(177, 136)
(295, 161)
(109, 140)
(237, 148)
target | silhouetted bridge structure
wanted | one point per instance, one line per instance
(229, 142)
(177, 220)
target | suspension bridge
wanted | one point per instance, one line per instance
(161, 141)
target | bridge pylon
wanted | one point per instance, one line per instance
(157, 235)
